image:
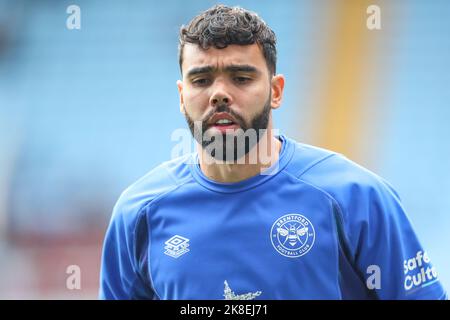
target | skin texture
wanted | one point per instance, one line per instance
(234, 80)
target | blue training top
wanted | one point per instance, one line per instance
(313, 226)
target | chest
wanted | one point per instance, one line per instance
(280, 245)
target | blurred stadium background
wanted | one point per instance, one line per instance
(84, 113)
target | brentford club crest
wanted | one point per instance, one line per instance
(292, 235)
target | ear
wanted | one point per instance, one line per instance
(180, 92)
(277, 87)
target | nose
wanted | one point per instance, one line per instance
(219, 100)
(220, 96)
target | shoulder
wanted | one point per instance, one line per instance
(347, 182)
(333, 171)
(362, 200)
(158, 182)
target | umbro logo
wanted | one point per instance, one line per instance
(176, 246)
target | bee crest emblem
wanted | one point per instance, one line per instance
(292, 235)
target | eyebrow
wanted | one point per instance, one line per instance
(230, 68)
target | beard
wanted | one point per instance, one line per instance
(233, 145)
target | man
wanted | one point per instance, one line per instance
(254, 214)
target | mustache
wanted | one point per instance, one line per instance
(223, 108)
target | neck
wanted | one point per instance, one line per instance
(264, 154)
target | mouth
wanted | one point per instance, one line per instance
(223, 128)
(223, 122)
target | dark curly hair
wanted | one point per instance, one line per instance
(221, 26)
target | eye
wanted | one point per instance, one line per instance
(201, 81)
(242, 80)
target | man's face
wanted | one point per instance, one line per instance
(225, 92)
